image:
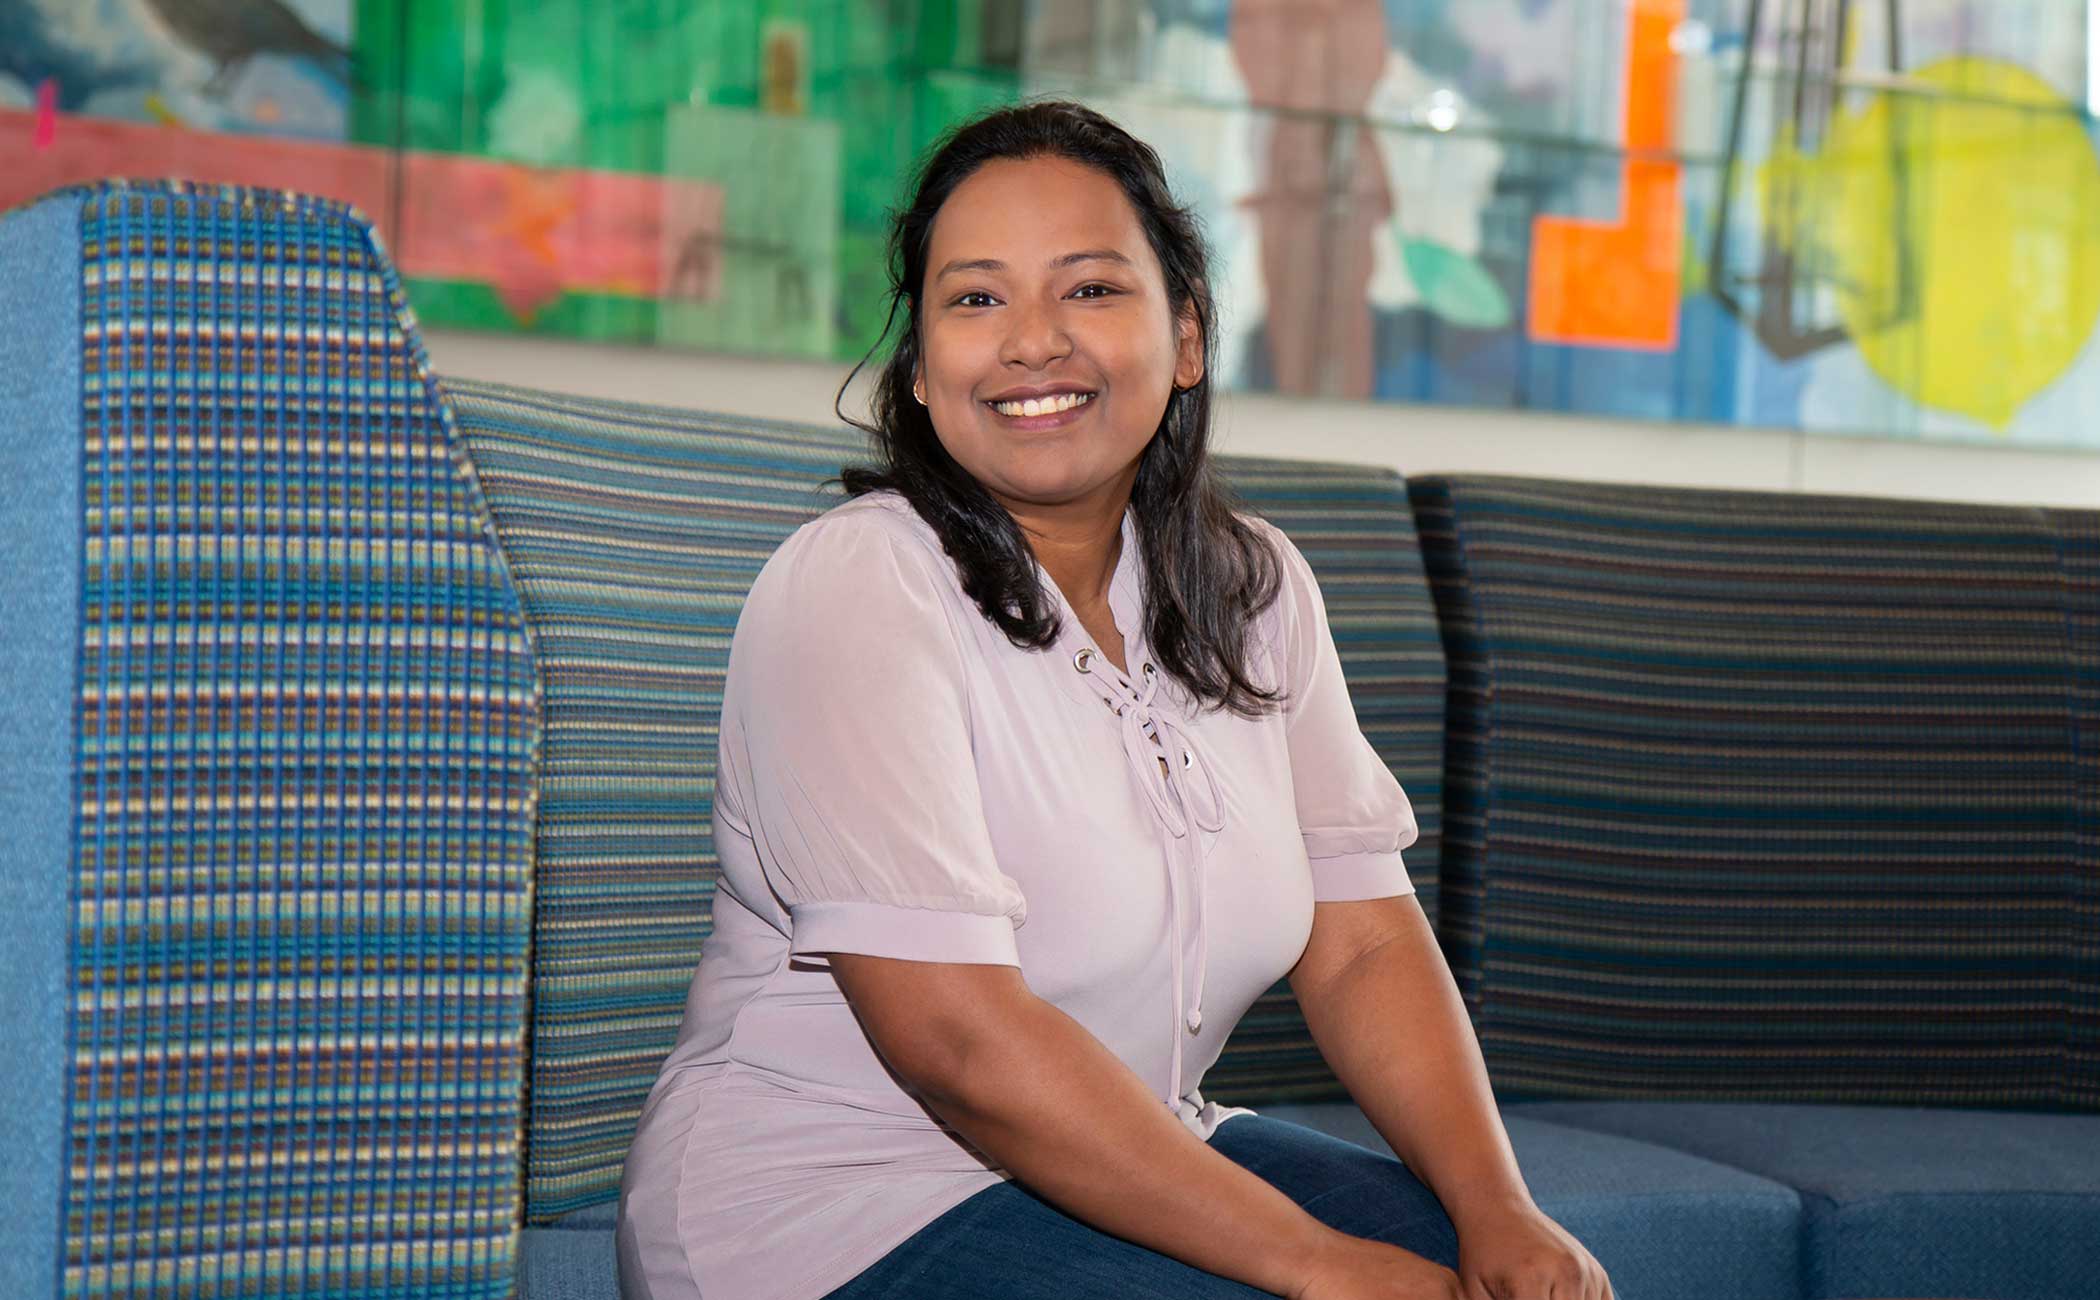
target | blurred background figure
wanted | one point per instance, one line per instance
(1323, 197)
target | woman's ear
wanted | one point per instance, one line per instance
(1188, 349)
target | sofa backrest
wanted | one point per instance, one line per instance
(635, 533)
(267, 769)
(1762, 796)
(2078, 533)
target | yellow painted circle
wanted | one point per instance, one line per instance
(1985, 190)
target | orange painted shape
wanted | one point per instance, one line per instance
(1617, 284)
(533, 233)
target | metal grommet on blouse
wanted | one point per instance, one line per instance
(1084, 656)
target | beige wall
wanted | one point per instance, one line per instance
(1413, 439)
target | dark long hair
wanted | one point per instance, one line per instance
(1208, 573)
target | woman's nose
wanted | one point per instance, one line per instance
(1035, 336)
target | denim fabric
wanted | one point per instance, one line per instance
(1006, 1242)
(39, 655)
(1903, 1201)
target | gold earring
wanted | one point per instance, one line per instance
(919, 395)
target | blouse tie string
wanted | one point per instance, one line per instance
(1153, 738)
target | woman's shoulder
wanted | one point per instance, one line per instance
(867, 558)
(867, 530)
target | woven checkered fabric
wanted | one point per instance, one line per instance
(635, 533)
(1755, 796)
(305, 803)
(2079, 535)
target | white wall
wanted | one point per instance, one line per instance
(1414, 439)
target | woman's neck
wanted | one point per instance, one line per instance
(1078, 545)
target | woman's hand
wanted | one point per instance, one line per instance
(1516, 1253)
(1357, 1268)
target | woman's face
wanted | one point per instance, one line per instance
(1040, 284)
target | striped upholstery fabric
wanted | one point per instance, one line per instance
(1755, 796)
(2079, 535)
(305, 802)
(635, 533)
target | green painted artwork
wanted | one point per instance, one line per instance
(805, 115)
(762, 276)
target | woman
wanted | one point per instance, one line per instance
(1036, 702)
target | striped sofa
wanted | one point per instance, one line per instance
(359, 749)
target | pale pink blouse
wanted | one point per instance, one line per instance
(899, 779)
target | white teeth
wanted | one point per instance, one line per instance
(1043, 405)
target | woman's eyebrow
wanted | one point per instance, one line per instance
(1068, 259)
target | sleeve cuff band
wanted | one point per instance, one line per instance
(909, 933)
(1352, 876)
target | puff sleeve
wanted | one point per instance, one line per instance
(1352, 812)
(847, 752)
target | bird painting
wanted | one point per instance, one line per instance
(231, 32)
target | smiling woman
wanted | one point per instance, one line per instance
(1037, 770)
(1043, 258)
(1088, 334)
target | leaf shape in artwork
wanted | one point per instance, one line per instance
(1454, 286)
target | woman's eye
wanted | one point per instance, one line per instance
(964, 301)
(1105, 290)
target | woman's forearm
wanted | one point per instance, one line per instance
(1051, 1104)
(1394, 1030)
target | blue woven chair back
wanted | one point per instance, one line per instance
(298, 884)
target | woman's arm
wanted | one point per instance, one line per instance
(1387, 1016)
(1031, 1088)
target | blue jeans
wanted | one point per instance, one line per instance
(1007, 1242)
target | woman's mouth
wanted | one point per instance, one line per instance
(1042, 412)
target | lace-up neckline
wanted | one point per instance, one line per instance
(1183, 795)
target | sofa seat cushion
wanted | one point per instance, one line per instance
(1901, 1201)
(571, 1258)
(1666, 1225)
